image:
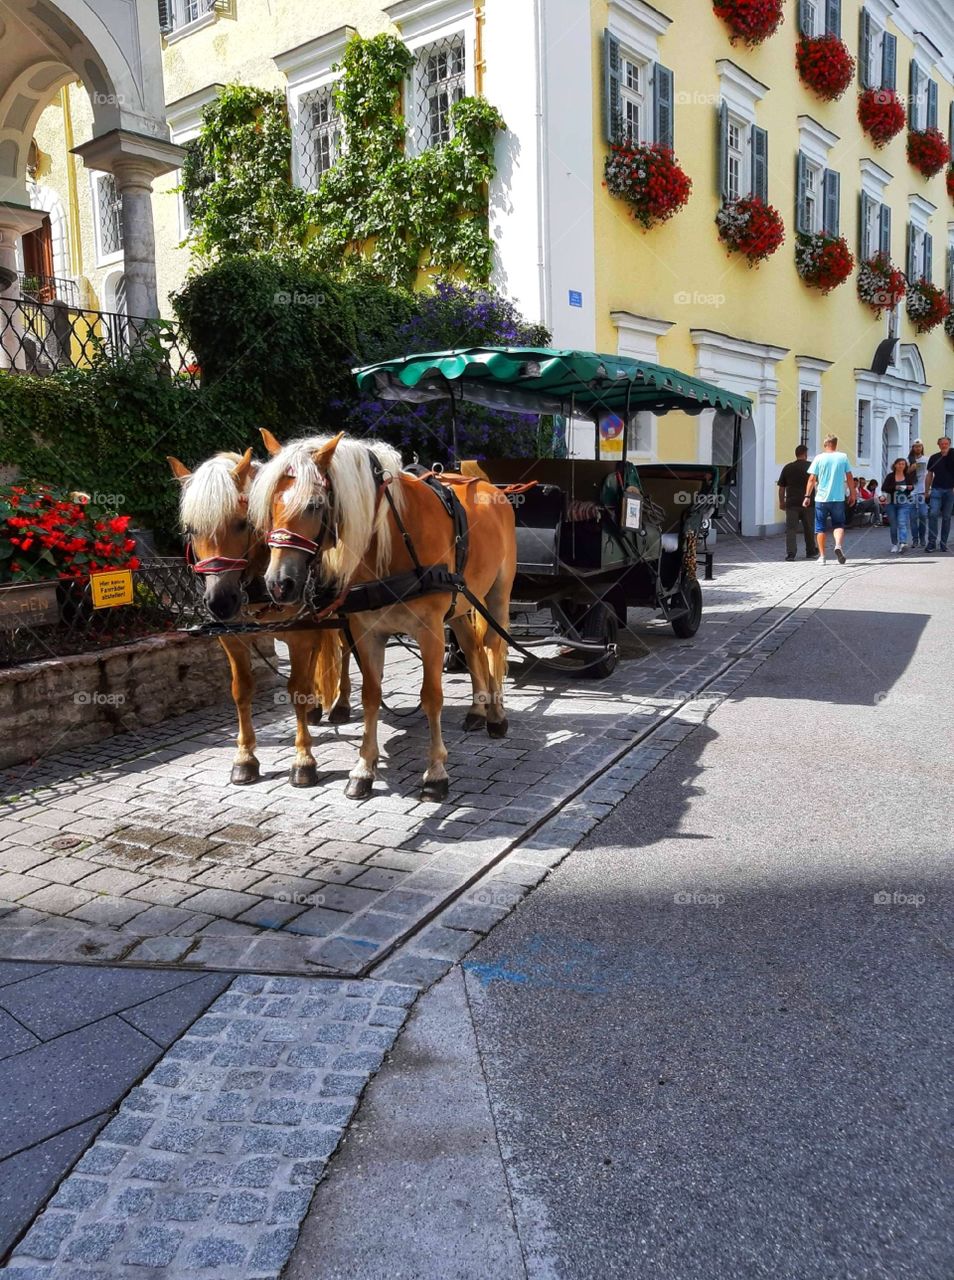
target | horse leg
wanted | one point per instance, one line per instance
(498, 606)
(341, 711)
(476, 659)
(245, 767)
(430, 637)
(326, 674)
(370, 650)
(303, 652)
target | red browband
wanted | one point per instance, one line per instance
(219, 564)
(288, 541)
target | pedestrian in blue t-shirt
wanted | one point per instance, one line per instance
(829, 481)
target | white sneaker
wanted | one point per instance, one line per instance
(902, 547)
(894, 548)
(823, 560)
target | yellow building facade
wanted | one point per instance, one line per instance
(566, 249)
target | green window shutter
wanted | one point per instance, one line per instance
(928, 257)
(864, 48)
(722, 119)
(932, 115)
(760, 180)
(165, 16)
(803, 23)
(865, 248)
(612, 89)
(663, 105)
(889, 62)
(801, 193)
(833, 18)
(912, 268)
(950, 130)
(950, 274)
(913, 85)
(831, 188)
(885, 231)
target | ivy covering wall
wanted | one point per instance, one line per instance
(378, 212)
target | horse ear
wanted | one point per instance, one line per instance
(324, 455)
(271, 444)
(241, 469)
(180, 471)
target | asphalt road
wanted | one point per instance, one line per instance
(716, 1042)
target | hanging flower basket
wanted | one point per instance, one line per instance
(825, 65)
(928, 151)
(928, 305)
(649, 179)
(751, 227)
(882, 115)
(750, 21)
(881, 285)
(823, 262)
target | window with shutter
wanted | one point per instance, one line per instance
(803, 206)
(950, 273)
(663, 105)
(889, 61)
(723, 142)
(868, 209)
(808, 14)
(932, 114)
(612, 88)
(914, 89)
(950, 130)
(927, 257)
(633, 97)
(884, 230)
(864, 49)
(833, 18)
(831, 185)
(737, 178)
(165, 16)
(760, 177)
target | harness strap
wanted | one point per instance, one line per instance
(218, 564)
(288, 540)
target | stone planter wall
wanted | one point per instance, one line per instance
(64, 703)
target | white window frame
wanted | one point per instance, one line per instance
(738, 158)
(919, 116)
(920, 213)
(452, 85)
(817, 26)
(639, 98)
(332, 130)
(864, 421)
(183, 25)
(637, 338)
(308, 70)
(876, 50)
(422, 23)
(102, 259)
(185, 123)
(741, 94)
(815, 195)
(815, 143)
(810, 371)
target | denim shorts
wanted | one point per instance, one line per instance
(836, 510)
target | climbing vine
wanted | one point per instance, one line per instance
(378, 213)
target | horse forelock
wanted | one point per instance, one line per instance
(210, 497)
(296, 476)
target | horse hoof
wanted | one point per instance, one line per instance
(303, 775)
(243, 775)
(358, 788)
(498, 728)
(435, 789)
(473, 722)
(339, 715)
(314, 715)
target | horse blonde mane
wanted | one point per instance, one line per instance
(360, 519)
(210, 496)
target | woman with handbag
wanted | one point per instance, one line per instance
(897, 492)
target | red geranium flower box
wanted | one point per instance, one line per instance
(648, 177)
(825, 65)
(881, 114)
(881, 285)
(928, 151)
(824, 262)
(928, 306)
(950, 180)
(750, 21)
(751, 227)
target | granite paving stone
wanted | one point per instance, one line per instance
(61, 1000)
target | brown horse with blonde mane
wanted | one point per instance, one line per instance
(229, 555)
(345, 509)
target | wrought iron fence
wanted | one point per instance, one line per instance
(48, 289)
(57, 619)
(42, 337)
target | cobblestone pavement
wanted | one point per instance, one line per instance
(138, 851)
(210, 1164)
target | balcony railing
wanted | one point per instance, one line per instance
(48, 289)
(42, 337)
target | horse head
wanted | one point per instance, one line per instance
(213, 512)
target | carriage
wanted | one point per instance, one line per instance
(594, 536)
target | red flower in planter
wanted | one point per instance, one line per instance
(881, 285)
(950, 180)
(825, 65)
(60, 534)
(750, 21)
(927, 306)
(649, 179)
(928, 151)
(881, 114)
(824, 262)
(751, 227)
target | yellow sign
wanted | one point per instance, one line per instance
(112, 588)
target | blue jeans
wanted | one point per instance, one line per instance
(836, 510)
(899, 518)
(942, 504)
(919, 519)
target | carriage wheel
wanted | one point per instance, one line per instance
(688, 624)
(601, 626)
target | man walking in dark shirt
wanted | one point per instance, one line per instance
(939, 494)
(792, 484)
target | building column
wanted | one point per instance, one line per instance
(15, 221)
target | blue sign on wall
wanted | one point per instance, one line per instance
(576, 298)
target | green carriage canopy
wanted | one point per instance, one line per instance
(543, 380)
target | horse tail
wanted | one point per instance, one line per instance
(328, 669)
